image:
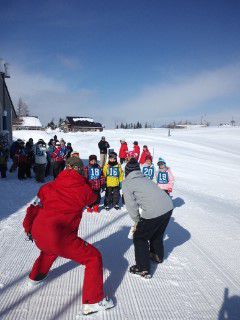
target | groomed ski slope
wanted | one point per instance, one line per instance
(200, 278)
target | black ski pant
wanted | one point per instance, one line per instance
(122, 160)
(22, 171)
(14, 164)
(112, 196)
(47, 173)
(28, 170)
(58, 166)
(39, 170)
(148, 237)
(3, 170)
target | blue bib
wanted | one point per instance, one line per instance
(113, 172)
(62, 152)
(94, 173)
(162, 177)
(148, 172)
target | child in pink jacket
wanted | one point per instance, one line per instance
(165, 178)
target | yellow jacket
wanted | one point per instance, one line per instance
(114, 175)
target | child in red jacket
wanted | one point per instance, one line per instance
(145, 153)
(96, 180)
(123, 151)
(54, 228)
(136, 150)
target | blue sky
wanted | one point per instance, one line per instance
(149, 60)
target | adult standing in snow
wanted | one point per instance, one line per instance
(69, 149)
(4, 153)
(145, 153)
(51, 148)
(40, 153)
(123, 151)
(103, 145)
(53, 225)
(156, 209)
(59, 158)
(13, 154)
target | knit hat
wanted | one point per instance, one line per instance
(75, 154)
(69, 144)
(40, 141)
(113, 155)
(92, 157)
(132, 165)
(161, 160)
(74, 162)
(131, 154)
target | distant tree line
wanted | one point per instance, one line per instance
(175, 124)
(137, 125)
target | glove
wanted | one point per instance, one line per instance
(169, 190)
(29, 237)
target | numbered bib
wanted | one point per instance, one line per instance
(162, 178)
(148, 172)
(113, 172)
(62, 152)
(94, 173)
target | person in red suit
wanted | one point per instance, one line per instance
(145, 153)
(123, 151)
(53, 225)
(136, 150)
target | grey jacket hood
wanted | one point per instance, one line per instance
(141, 193)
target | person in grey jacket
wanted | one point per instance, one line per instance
(40, 155)
(151, 209)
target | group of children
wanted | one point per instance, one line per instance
(110, 176)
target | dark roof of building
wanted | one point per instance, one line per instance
(83, 122)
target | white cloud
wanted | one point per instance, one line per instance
(48, 97)
(184, 95)
(182, 98)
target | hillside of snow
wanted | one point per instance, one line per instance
(200, 277)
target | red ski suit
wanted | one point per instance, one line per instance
(145, 153)
(123, 150)
(136, 150)
(55, 231)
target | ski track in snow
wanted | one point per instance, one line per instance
(201, 242)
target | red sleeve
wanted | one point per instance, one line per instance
(55, 153)
(32, 212)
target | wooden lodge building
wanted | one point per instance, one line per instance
(73, 124)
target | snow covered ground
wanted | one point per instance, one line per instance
(200, 278)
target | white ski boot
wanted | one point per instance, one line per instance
(106, 303)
